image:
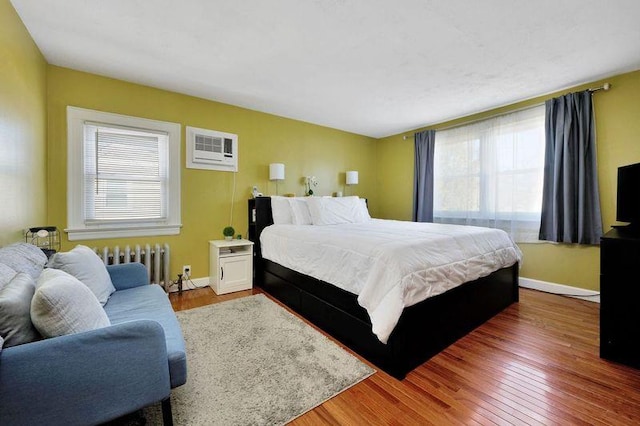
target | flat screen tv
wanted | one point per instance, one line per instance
(628, 208)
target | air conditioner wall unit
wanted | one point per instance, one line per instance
(211, 150)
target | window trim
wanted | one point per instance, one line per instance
(77, 227)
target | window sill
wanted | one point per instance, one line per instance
(147, 231)
(528, 219)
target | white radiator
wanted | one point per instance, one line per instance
(155, 259)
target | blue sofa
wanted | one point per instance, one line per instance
(95, 376)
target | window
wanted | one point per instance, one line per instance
(490, 173)
(124, 176)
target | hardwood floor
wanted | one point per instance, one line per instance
(536, 362)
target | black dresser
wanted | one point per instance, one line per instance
(620, 297)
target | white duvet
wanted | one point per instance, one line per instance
(390, 264)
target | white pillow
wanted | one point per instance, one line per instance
(300, 210)
(6, 275)
(86, 266)
(63, 305)
(281, 210)
(50, 273)
(363, 210)
(23, 257)
(334, 211)
(15, 303)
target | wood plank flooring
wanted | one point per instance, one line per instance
(537, 362)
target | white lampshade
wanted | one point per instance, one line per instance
(352, 177)
(276, 171)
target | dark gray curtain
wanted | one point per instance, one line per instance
(423, 176)
(570, 198)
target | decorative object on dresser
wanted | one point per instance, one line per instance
(309, 181)
(448, 316)
(230, 265)
(228, 232)
(252, 362)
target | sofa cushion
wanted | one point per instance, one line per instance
(23, 257)
(15, 303)
(86, 266)
(151, 302)
(6, 274)
(63, 305)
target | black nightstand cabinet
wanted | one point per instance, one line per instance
(620, 297)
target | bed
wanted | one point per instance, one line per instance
(421, 330)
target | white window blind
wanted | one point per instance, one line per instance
(125, 174)
(490, 173)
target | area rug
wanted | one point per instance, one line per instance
(251, 362)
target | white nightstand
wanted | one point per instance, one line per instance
(230, 265)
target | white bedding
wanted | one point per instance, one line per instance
(390, 264)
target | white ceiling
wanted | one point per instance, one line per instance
(372, 67)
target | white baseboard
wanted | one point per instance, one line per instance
(548, 287)
(565, 290)
(197, 283)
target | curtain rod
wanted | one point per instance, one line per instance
(405, 137)
(605, 87)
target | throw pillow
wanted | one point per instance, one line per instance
(63, 305)
(363, 215)
(6, 274)
(281, 210)
(50, 273)
(86, 266)
(23, 257)
(300, 211)
(334, 211)
(15, 303)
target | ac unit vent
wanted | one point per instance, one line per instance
(212, 150)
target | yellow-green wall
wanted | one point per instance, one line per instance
(22, 129)
(618, 140)
(305, 149)
(34, 96)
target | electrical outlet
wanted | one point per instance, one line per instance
(186, 271)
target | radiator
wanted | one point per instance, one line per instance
(155, 259)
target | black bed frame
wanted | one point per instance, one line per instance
(423, 330)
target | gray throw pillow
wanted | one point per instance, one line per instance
(23, 257)
(63, 305)
(15, 304)
(86, 266)
(6, 274)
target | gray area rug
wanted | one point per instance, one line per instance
(251, 362)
